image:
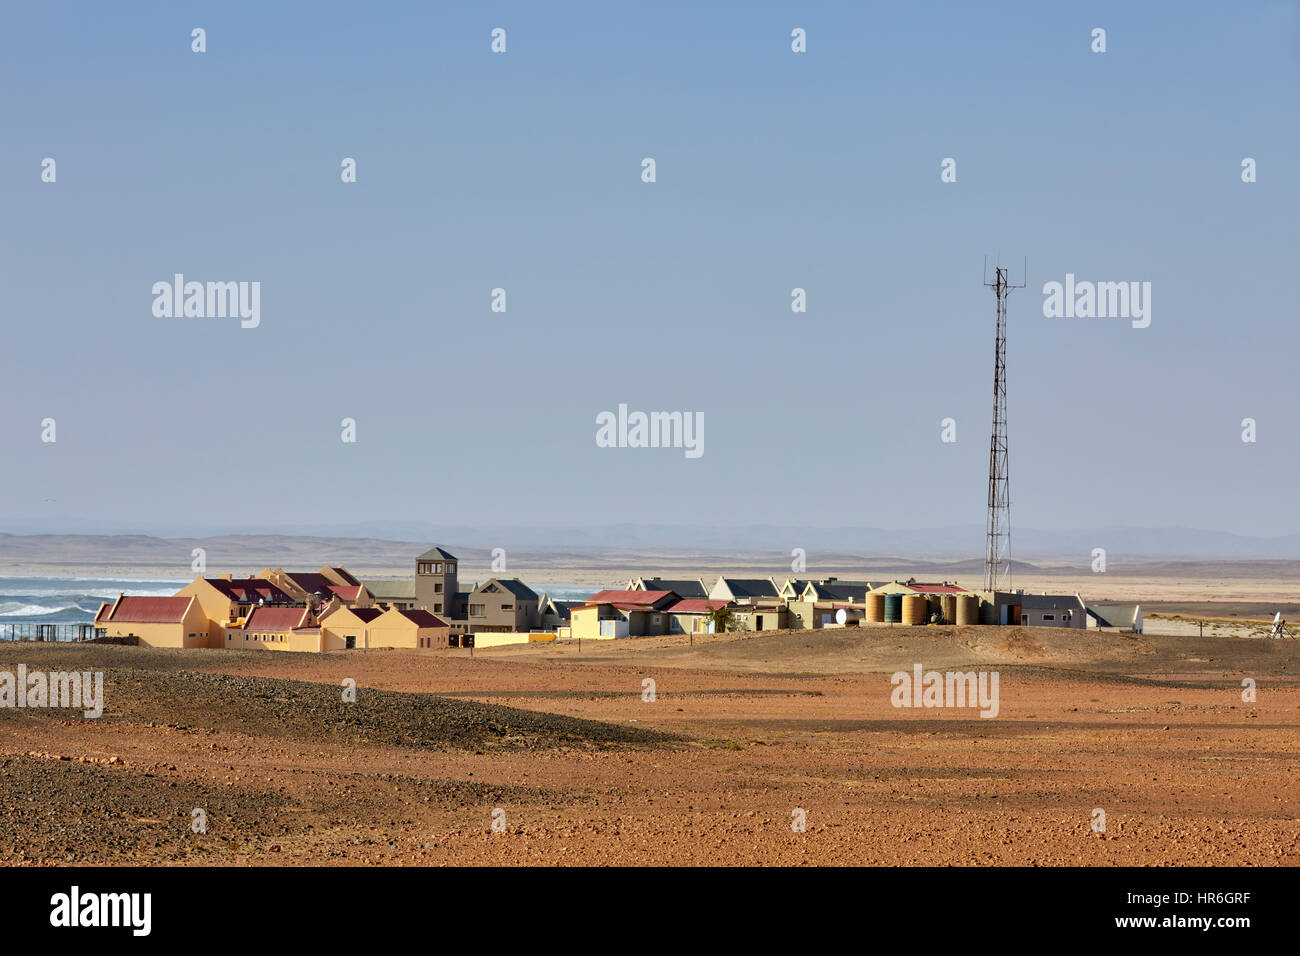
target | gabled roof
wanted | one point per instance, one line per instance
(513, 585)
(563, 609)
(631, 600)
(855, 591)
(750, 587)
(277, 618)
(437, 554)
(345, 575)
(250, 590)
(686, 587)
(316, 582)
(422, 618)
(313, 582)
(937, 588)
(146, 610)
(695, 606)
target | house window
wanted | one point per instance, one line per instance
(507, 607)
(437, 587)
(476, 610)
(437, 608)
(1049, 617)
(437, 568)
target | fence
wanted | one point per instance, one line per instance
(32, 631)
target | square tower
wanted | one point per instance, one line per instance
(435, 582)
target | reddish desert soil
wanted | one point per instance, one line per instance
(744, 730)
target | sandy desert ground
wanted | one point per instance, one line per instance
(745, 731)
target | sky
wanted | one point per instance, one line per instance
(522, 170)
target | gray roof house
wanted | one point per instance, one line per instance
(744, 590)
(685, 587)
(1052, 610)
(835, 590)
(503, 604)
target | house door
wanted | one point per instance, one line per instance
(350, 642)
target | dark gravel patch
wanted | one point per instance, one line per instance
(67, 812)
(305, 711)
(61, 811)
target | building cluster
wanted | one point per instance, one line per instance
(659, 606)
(331, 609)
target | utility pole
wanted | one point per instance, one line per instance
(997, 558)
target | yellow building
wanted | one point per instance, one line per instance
(353, 628)
(227, 601)
(617, 613)
(277, 629)
(346, 628)
(157, 621)
(414, 628)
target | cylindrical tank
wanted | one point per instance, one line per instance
(948, 608)
(875, 608)
(968, 610)
(893, 608)
(914, 609)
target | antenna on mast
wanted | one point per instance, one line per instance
(997, 556)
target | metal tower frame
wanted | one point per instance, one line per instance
(997, 556)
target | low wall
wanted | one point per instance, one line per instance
(493, 639)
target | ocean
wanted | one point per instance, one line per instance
(75, 600)
(71, 600)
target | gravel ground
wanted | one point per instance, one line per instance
(561, 751)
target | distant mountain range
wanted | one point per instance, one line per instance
(380, 543)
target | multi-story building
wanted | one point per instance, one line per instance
(503, 605)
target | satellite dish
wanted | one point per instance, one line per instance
(841, 616)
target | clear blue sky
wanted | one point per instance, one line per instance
(522, 170)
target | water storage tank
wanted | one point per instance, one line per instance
(893, 608)
(875, 608)
(968, 610)
(948, 608)
(914, 609)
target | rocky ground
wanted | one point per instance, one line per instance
(574, 763)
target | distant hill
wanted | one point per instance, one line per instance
(243, 553)
(385, 542)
